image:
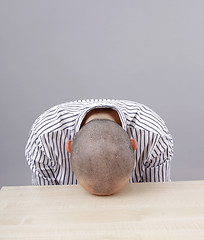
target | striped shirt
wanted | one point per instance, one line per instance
(49, 160)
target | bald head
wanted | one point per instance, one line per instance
(102, 157)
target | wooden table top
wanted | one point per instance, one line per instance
(140, 211)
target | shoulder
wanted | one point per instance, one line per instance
(57, 118)
(141, 117)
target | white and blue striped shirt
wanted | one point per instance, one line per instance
(49, 160)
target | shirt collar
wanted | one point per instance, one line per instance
(99, 104)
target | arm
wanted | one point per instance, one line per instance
(157, 166)
(43, 171)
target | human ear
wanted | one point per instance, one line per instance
(69, 146)
(134, 144)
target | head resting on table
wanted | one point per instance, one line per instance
(102, 157)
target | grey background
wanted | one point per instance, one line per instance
(149, 51)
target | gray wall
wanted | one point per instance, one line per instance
(149, 51)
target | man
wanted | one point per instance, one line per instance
(102, 144)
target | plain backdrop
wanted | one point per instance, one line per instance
(151, 52)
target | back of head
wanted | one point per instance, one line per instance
(102, 157)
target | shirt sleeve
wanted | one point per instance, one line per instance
(40, 165)
(157, 166)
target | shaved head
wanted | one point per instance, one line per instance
(102, 157)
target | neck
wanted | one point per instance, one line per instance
(102, 113)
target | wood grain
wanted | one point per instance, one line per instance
(139, 211)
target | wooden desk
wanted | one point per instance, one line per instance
(139, 211)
